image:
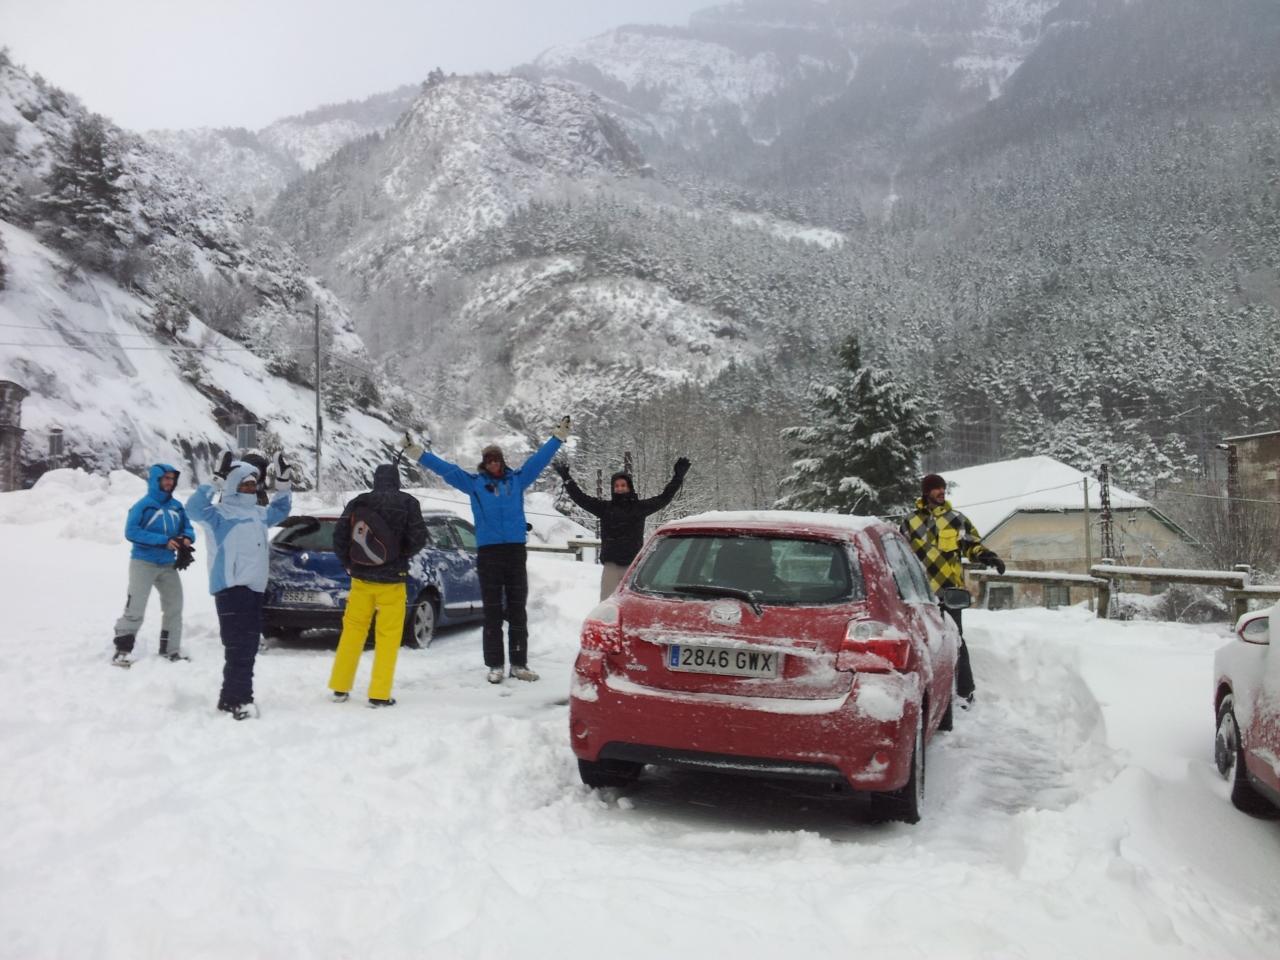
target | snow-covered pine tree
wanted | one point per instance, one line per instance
(82, 211)
(860, 454)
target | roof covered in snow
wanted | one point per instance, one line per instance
(991, 493)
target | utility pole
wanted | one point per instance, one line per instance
(1088, 539)
(1104, 500)
(1233, 501)
(319, 419)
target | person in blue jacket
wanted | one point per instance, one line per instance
(238, 527)
(497, 505)
(158, 528)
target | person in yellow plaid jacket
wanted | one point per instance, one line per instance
(941, 536)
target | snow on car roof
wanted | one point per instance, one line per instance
(783, 521)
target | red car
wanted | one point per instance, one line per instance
(1246, 705)
(788, 645)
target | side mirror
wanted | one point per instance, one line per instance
(1254, 628)
(955, 598)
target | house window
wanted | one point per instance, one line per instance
(1057, 595)
(999, 597)
(246, 435)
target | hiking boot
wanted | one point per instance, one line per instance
(495, 675)
(523, 673)
(389, 702)
(340, 696)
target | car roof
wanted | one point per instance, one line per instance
(785, 522)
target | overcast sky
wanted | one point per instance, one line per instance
(243, 63)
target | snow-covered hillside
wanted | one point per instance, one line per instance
(190, 319)
(761, 65)
(251, 168)
(1074, 811)
(235, 164)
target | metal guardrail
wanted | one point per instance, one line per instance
(1235, 584)
(575, 547)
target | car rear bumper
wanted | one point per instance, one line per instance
(302, 618)
(820, 740)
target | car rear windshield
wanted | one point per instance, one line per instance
(774, 570)
(306, 533)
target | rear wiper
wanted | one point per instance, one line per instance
(708, 590)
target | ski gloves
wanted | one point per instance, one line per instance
(186, 556)
(412, 449)
(562, 469)
(991, 560)
(682, 467)
(561, 432)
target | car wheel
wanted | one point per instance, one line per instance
(1228, 756)
(904, 804)
(420, 624)
(608, 773)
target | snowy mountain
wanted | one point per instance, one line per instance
(755, 67)
(251, 168)
(406, 226)
(145, 316)
(233, 163)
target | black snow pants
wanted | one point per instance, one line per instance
(504, 588)
(964, 672)
(240, 622)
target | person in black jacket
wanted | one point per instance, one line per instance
(375, 538)
(621, 518)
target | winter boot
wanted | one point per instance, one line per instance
(340, 696)
(174, 657)
(389, 702)
(239, 711)
(523, 673)
(121, 658)
(495, 675)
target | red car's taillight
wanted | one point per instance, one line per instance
(870, 646)
(602, 630)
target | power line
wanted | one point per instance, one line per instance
(1210, 496)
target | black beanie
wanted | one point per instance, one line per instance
(932, 482)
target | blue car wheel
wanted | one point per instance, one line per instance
(420, 622)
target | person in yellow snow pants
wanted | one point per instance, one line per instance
(375, 538)
(366, 599)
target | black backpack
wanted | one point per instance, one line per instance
(372, 541)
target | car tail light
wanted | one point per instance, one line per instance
(870, 646)
(602, 630)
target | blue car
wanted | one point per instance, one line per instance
(308, 586)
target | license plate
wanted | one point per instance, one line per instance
(726, 662)
(314, 597)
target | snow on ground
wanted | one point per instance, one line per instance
(1074, 811)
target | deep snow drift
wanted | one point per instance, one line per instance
(1074, 811)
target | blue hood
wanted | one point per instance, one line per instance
(157, 471)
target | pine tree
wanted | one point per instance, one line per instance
(83, 210)
(861, 451)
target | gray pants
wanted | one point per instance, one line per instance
(610, 577)
(142, 577)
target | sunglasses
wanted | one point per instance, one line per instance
(492, 458)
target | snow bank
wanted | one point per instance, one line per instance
(1073, 811)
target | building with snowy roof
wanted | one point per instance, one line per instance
(1032, 512)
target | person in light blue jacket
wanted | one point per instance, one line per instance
(238, 527)
(497, 505)
(159, 530)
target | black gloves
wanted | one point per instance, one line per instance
(186, 556)
(991, 560)
(224, 465)
(562, 469)
(682, 467)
